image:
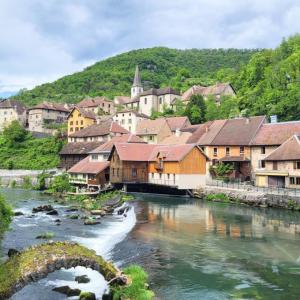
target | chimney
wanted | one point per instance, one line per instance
(206, 129)
(177, 132)
(273, 118)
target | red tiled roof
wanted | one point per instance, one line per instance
(125, 138)
(92, 102)
(289, 150)
(145, 127)
(51, 106)
(86, 166)
(101, 129)
(149, 152)
(171, 152)
(273, 134)
(177, 140)
(239, 132)
(178, 122)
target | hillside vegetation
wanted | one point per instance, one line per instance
(20, 150)
(159, 67)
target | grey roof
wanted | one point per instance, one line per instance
(137, 77)
(160, 92)
(15, 104)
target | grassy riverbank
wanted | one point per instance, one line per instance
(6, 214)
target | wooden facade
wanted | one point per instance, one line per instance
(67, 161)
(127, 171)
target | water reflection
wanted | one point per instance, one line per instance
(199, 250)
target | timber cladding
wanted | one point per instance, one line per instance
(193, 163)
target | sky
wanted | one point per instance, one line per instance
(44, 40)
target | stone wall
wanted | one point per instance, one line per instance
(251, 197)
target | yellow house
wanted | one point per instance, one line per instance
(80, 118)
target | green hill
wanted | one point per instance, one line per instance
(159, 67)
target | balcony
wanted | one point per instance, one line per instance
(78, 180)
(93, 182)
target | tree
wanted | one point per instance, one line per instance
(14, 134)
(196, 109)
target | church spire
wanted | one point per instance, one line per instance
(137, 77)
(137, 87)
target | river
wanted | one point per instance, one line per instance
(192, 249)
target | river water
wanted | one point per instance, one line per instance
(192, 249)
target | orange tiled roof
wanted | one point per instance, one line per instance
(86, 166)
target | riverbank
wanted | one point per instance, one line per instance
(251, 198)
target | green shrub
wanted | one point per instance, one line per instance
(45, 235)
(13, 184)
(60, 184)
(41, 181)
(217, 197)
(6, 214)
(27, 183)
(138, 290)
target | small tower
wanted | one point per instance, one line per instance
(137, 87)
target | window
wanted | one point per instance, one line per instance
(105, 156)
(160, 100)
(76, 128)
(71, 129)
(292, 180)
(227, 151)
(71, 123)
(160, 175)
(129, 128)
(215, 151)
(150, 137)
(297, 180)
(123, 121)
(129, 121)
(297, 165)
(145, 100)
(263, 164)
(275, 165)
(152, 175)
(81, 128)
(242, 150)
(81, 122)
(94, 157)
(76, 122)
(168, 176)
(134, 172)
(263, 150)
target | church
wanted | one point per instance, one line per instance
(145, 102)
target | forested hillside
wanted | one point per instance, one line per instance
(159, 67)
(270, 82)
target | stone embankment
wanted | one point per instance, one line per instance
(249, 197)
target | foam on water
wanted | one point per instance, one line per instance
(106, 237)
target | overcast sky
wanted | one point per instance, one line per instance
(42, 40)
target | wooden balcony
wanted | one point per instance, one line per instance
(93, 182)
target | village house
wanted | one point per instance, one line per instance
(72, 153)
(43, 116)
(12, 110)
(178, 123)
(79, 118)
(101, 132)
(124, 102)
(97, 105)
(46, 114)
(153, 131)
(129, 119)
(282, 166)
(228, 142)
(269, 137)
(179, 166)
(216, 91)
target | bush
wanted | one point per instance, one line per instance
(60, 184)
(41, 181)
(217, 197)
(6, 214)
(138, 290)
(27, 183)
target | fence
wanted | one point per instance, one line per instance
(249, 187)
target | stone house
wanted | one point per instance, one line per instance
(282, 166)
(12, 110)
(97, 105)
(101, 132)
(216, 91)
(43, 116)
(228, 141)
(153, 131)
(269, 137)
(129, 119)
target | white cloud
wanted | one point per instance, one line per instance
(43, 40)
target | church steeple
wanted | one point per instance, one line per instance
(137, 87)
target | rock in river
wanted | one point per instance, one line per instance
(42, 208)
(91, 222)
(18, 213)
(82, 279)
(87, 296)
(12, 252)
(52, 212)
(98, 212)
(66, 290)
